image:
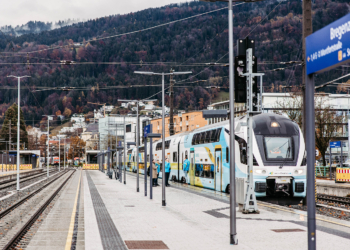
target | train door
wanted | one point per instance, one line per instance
(192, 168)
(218, 170)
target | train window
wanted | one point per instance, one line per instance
(133, 158)
(208, 171)
(174, 156)
(207, 136)
(199, 170)
(243, 150)
(141, 149)
(194, 139)
(213, 135)
(148, 158)
(159, 146)
(278, 148)
(167, 144)
(202, 140)
(198, 137)
(255, 163)
(227, 154)
(218, 132)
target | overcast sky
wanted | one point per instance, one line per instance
(17, 12)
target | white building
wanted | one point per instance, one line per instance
(77, 118)
(35, 133)
(112, 126)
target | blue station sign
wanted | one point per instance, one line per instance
(328, 47)
(335, 144)
(147, 130)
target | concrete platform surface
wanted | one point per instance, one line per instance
(58, 227)
(330, 187)
(332, 183)
(3, 173)
(196, 221)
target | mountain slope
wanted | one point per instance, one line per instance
(198, 40)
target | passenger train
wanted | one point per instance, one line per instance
(279, 162)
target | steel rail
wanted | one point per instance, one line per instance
(27, 178)
(333, 198)
(21, 201)
(35, 216)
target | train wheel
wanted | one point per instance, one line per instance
(183, 180)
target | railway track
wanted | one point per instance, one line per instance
(334, 199)
(20, 216)
(9, 183)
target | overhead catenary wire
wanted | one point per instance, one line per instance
(127, 33)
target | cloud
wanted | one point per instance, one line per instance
(18, 12)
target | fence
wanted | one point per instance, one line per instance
(323, 171)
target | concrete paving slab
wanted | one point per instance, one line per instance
(192, 221)
(53, 232)
(92, 233)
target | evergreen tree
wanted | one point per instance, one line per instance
(11, 115)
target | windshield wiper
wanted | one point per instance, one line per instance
(287, 156)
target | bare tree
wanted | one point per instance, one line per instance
(291, 107)
(327, 121)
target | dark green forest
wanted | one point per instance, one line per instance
(105, 67)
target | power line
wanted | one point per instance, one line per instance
(128, 33)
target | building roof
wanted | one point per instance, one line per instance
(92, 127)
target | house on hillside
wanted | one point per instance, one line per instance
(90, 136)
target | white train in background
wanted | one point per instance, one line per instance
(278, 149)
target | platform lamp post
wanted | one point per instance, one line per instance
(163, 119)
(137, 140)
(49, 117)
(59, 150)
(18, 122)
(2, 161)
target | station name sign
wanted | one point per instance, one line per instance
(328, 47)
(335, 144)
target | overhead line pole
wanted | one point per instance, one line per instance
(137, 140)
(18, 123)
(163, 123)
(48, 143)
(171, 115)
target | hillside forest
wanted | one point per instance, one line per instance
(104, 68)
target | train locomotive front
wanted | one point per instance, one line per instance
(279, 156)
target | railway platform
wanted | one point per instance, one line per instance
(117, 217)
(3, 173)
(330, 187)
(63, 227)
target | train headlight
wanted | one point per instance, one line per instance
(300, 171)
(258, 171)
(275, 125)
(264, 171)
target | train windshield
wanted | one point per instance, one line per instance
(278, 148)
